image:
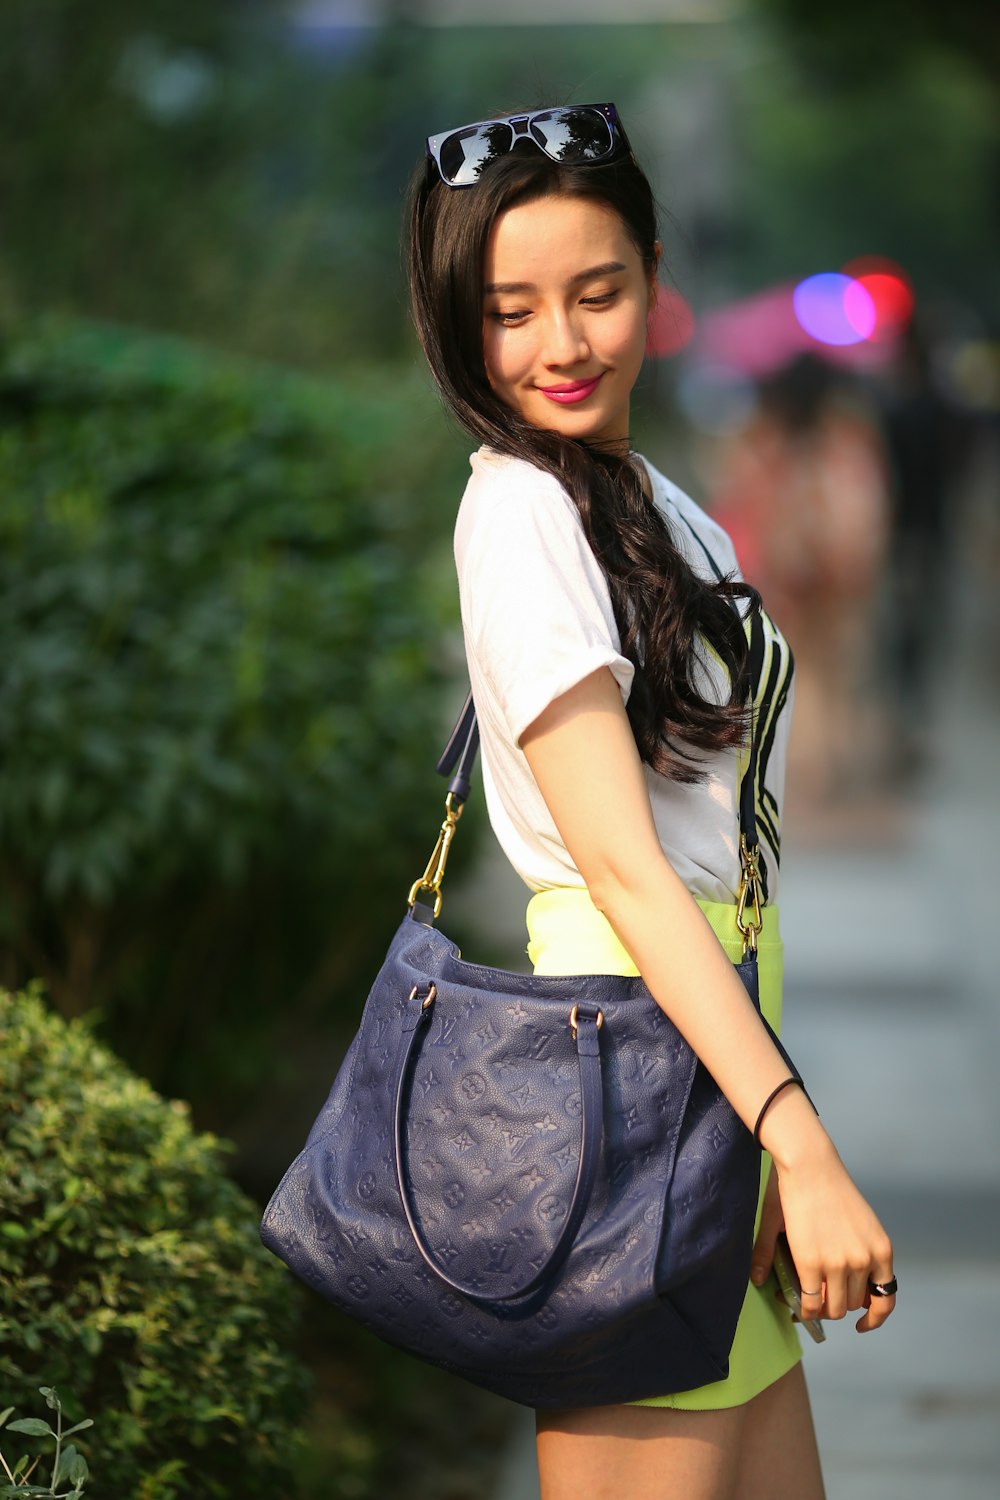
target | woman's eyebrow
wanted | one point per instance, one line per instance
(505, 288)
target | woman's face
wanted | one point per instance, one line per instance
(566, 297)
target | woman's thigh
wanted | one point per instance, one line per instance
(765, 1450)
(779, 1459)
(638, 1453)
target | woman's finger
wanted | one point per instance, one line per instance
(878, 1309)
(880, 1297)
(812, 1291)
(857, 1290)
(836, 1295)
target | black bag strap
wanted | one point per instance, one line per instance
(748, 784)
(460, 752)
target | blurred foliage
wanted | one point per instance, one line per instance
(133, 1278)
(897, 163)
(225, 173)
(236, 172)
(855, 40)
(222, 626)
(68, 1465)
(168, 164)
(385, 1424)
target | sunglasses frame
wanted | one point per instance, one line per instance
(521, 124)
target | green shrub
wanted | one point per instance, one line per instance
(132, 1277)
(68, 1466)
(221, 696)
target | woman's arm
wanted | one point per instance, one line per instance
(583, 756)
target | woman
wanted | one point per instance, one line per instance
(614, 689)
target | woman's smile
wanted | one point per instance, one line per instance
(577, 390)
(566, 298)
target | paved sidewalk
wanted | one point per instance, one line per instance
(894, 1016)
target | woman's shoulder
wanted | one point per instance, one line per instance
(496, 473)
(507, 494)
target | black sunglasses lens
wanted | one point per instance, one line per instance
(573, 134)
(466, 153)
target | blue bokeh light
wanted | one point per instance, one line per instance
(834, 309)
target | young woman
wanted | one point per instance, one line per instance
(607, 641)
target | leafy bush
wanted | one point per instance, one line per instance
(220, 702)
(68, 1466)
(131, 1275)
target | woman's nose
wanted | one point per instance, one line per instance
(564, 342)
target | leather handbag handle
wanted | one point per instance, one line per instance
(588, 1051)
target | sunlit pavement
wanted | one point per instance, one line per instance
(893, 1014)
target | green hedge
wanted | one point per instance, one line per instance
(223, 594)
(132, 1278)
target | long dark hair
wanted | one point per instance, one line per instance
(661, 606)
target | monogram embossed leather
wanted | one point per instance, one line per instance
(645, 1297)
(564, 1219)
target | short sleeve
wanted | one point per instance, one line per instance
(536, 609)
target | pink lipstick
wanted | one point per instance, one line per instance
(572, 391)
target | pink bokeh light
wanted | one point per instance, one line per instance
(671, 325)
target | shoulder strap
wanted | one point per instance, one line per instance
(459, 755)
(748, 784)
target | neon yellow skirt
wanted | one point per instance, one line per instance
(568, 935)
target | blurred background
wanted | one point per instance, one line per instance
(230, 623)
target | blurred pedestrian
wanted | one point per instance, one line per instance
(802, 489)
(927, 444)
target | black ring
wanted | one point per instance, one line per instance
(882, 1288)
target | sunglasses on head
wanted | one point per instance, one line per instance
(577, 133)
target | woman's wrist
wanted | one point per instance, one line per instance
(792, 1081)
(791, 1131)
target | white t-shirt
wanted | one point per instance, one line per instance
(537, 618)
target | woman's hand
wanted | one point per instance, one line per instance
(836, 1240)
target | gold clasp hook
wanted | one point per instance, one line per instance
(433, 875)
(750, 891)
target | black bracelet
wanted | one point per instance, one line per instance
(770, 1100)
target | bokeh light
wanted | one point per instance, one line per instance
(890, 289)
(834, 309)
(671, 324)
(754, 335)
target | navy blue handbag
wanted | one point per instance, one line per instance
(530, 1181)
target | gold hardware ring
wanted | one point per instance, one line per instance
(574, 1016)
